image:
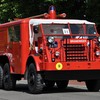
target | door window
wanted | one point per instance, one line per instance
(14, 33)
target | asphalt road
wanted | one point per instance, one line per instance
(73, 92)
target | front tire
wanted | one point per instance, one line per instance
(8, 79)
(93, 85)
(34, 79)
(1, 77)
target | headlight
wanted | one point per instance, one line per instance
(57, 53)
(97, 53)
(99, 38)
(50, 39)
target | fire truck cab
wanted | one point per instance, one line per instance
(47, 49)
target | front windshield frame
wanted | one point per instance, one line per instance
(68, 30)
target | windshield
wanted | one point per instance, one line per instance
(77, 29)
(90, 29)
(66, 29)
(56, 29)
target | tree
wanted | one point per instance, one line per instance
(93, 10)
(10, 9)
(80, 9)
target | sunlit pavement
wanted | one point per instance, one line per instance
(74, 82)
(75, 91)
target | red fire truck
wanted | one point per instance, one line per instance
(48, 50)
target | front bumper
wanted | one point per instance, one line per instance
(65, 66)
(80, 75)
(71, 70)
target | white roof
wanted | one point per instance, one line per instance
(58, 21)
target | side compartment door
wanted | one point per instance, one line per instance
(3, 40)
(15, 47)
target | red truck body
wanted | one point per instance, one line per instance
(47, 49)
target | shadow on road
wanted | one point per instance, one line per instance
(24, 88)
(67, 90)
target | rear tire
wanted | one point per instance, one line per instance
(34, 79)
(8, 79)
(93, 85)
(1, 77)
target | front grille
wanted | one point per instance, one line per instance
(75, 52)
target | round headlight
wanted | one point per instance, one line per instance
(97, 53)
(50, 39)
(99, 38)
(57, 53)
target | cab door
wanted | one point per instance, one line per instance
(3, 40)
(15, 47)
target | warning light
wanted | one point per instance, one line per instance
(52, 8)
(52, 12)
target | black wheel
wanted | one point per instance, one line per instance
(93, 85)
(34, 79)
(8, 79)
(1, 77)
(62, 84)
(49, 84)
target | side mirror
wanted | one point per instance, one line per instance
(36, 29)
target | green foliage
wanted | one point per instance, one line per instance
(93, 10)
(10, 9)
(80, 9)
